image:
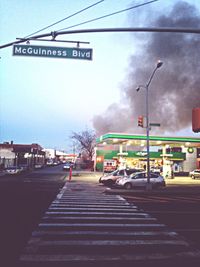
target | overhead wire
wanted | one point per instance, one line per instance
(111, 14)
(108, 15)
(70, 16)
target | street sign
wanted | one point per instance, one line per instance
(52, 52)
(154, 124)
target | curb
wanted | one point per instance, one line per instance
(166, 191)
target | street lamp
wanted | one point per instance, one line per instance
(158, 65)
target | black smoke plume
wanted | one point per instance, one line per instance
(175, 88)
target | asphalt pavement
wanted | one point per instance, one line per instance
(25, 198)
(84, 226)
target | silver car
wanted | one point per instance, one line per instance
(110, 178)
(140, 180)
(67, 166)
(195, 174)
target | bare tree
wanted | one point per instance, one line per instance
(85, 142)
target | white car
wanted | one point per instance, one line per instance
(13, 170)
(195, 174)
(110, 178)
(140, 180)
(49, 163)
(38, 166)
(67, 166)
(156, 170)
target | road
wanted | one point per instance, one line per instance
(177, 206)
(180, 212)
(25, 198)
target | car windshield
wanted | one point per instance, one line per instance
(154, 175)
(112, 173)
(133, 171)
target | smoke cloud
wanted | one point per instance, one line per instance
(175, 88)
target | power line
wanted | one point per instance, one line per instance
(78, 12)
(108, 15)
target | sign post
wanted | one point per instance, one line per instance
(154, 124)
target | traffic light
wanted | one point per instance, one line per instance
(140, 121)
(196, 120)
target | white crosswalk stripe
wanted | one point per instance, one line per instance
(84, 226)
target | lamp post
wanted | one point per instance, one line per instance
(158, 65)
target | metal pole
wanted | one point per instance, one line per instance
(142, 29)
(147, 136)
(148, 187)
(159, 64)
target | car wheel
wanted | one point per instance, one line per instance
(128, 185)
(109, 182)
(192, 177)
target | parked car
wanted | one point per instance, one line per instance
(67, 166)
(140, 180)
(195, 174)
(157, 170)
(13, 170)
(49, 163)
(110, 178)
(38, 166)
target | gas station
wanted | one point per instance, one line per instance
(172, 155)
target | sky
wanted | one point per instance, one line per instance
(44, 100)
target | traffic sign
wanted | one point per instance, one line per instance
(52, 52)
(154, 124)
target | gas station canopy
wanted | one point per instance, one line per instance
(137, 140)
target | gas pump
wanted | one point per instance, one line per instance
(167, 165)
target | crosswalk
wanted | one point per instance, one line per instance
(85, 227)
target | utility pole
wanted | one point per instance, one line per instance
(146, 87)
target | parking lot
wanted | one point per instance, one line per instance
(183, 181)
